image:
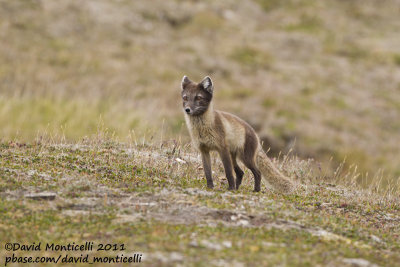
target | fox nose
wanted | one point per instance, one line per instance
(187, 110)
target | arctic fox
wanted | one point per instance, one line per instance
(229, 135)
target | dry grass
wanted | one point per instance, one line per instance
(90, 111)
(325, 73)
(152, 197)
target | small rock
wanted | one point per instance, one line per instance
(180, 161)
(210, 245)
(228, 14)
(243, 222)
(42, 196)
(194, 244)
(32, 172)
(227, 244)
(175, 256)
(270, 244)
(195, 191)
(388, 217)
(376, 239)
(359, 263)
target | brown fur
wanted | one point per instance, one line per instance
(229, 135)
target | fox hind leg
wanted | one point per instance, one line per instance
(250, 149)
(257, 179)
(256, 172)
(239, 172)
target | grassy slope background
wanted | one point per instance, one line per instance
(323, 75)
(319, 78)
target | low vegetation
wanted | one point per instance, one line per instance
(93, 144)
(325, 74)
(153, 199)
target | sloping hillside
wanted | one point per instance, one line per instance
(320, 77)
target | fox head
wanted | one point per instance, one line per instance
(196, 96)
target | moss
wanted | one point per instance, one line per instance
(396, 59)
(338, 102)
(269, 5)
(307, 23)
(237, 93)
(251, 57)
(269, 102)
(177, 124)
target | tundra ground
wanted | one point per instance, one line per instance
(153, 199)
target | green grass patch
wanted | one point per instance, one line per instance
(396, 59)
(251, 57)
(307, 23)
(269, 102)
(29, 118)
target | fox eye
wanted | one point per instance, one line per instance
(198, 97)
(185, 98)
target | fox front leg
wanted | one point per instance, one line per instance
(205, 156)
(227, 162)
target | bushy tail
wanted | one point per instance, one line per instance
(272, 175)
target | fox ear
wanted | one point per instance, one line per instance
(185, 82)
(207, 84)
